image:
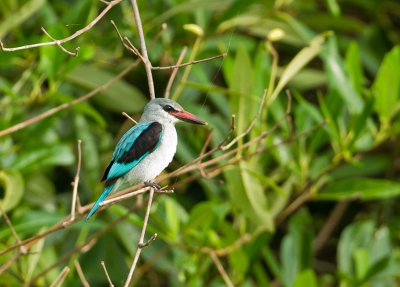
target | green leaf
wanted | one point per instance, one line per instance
(172, 218)
(90, 153)
(356, 235)
(360, 188)
(296, 248)
(298, 62)
(354, 67)
(60, 154)
(339, 80)
(242, 81)
(13, 185)
(386, 87)
(16, 18)
(306, 278)
(334, 8)
(248, 195)
(361, 260)
(33, 259)
(120, 97)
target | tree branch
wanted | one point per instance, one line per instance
(59, 42)
(147, 64)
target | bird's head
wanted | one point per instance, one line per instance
(166, 110)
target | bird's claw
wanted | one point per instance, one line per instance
(152, 184)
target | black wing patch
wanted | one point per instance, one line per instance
(104, 177)
(145, 143)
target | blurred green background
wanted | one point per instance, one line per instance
(302, 207)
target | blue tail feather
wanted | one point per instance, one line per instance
(105, 193)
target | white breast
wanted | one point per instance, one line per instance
(154, 163)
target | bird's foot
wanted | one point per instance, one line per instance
(152, 184)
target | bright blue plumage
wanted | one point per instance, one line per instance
(119, 167)
(124, 145)
(104, 194)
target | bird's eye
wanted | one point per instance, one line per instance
(168, 108)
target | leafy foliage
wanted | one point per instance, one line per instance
(262, 209)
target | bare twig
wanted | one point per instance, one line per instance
(61, 277)
(76, 183)
(174, 72)
(225, 251)
(86, 246)
(68, 105)
(189, 63)
(141, 238)
(129, 117)
(80, 274)
(59, 42)
(8, 221)
(330, 224)
(221, 269)
(147, 63)
(148, 242)
(105, 271)
(5, 266)
(251, 124)
(136, 52)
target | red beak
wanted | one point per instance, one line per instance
(188, 117)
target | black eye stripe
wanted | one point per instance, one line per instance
(168, 108)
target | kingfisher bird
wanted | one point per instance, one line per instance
(146, 149)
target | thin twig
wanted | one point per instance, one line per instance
(60, 278)
(141, 238)
(8, 221)
(105, 271)
(221, 269)
(251, 124)
(174, 72)
(5, 266)
(147, 63)
(76, 34)
(333, 220)
(80, 274)
(58, 43)
(189, 63)
(87, 245)
(129, 117)
(148, 242)
(68, 105)
(76, 183)
(225, 251)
